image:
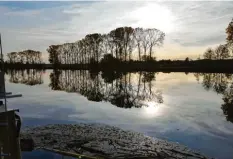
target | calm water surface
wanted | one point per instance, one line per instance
(195, 110)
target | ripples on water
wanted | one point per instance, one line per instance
(194, 109)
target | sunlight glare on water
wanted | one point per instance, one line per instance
(152, 109)
(193, 109)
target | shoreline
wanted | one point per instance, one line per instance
(105, 141)
(192, 66)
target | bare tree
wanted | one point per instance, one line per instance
(156, 38)
(145, 41)
(222, 52)
(209, 54)
(12, 57)
(229, 32)
(128, 41)
(229, 39)
(138, 34)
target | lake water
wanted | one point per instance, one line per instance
(195, 110)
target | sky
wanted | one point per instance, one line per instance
(190, 27)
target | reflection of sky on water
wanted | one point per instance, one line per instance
(38, 154)
(189, 114)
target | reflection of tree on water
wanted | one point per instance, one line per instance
(29, 77)
(110, 76)
(124, 90)
(221, 84)
(216, 81)
(54, 77)
(227, 106)
(94, 93)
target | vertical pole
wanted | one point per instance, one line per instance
(3, 73)
(13, 150)
(4, 90)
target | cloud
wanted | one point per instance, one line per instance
(210, 40)
(187, 24)
(200, 23)
(32, 13)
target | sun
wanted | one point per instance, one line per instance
(153, 15)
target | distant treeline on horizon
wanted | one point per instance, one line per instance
(119, 45)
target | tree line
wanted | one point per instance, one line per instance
(25, 57)
(223, 51)
(121, 43)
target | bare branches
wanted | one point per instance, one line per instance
(222, 52)
(229, 32)
(120, 43)
(209, 54)
(156, 38)
(24, 57)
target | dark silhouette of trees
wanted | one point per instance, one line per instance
(222, 52)
(156, 38)
(120, 43)
(138, 34)
(94, 42)
(186, 59)
(54, 54)
(12, 57)
(229, 39)
(229, 32)
(25, 57)
(147, 58)
(145, 41)
(209, 54)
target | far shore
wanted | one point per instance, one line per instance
(212, 66)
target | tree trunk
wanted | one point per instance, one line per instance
(139, 52)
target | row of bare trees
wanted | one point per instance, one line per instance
(123, 43)
(224, 51)
(220, 53)
(25, 57)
